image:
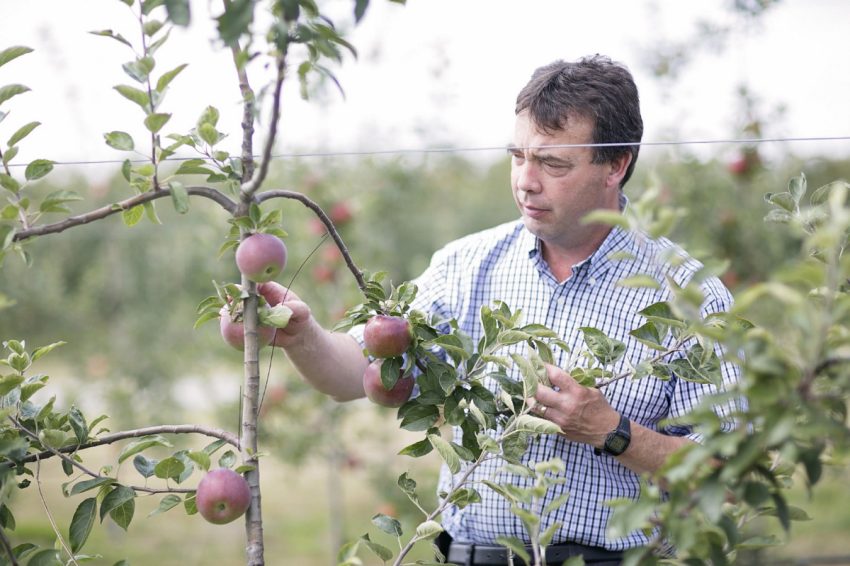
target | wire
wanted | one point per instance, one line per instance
(401, 151)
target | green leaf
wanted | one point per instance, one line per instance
(464, 496)
(7, 519)
(22, 132)
(111, 34)
(86, 485)
(605, 349)
(167, 77)
(360, 9)
(11, 53)
(428, 530)
(208, 133)
(446, 451)
(10, 155)
(169, 468)
(144, 466)
(228, 459)
(135, 95)
(37, 169)
(45, 557)
(119, 140)
(155, 122)
(78, 423)
(417, 449)
(82, 523)
(417, 417)
(179, 12)
(55, 201)
(10, 382)
(201, 458)
(210, 115)
(9, 91)
(140, 69)
(9, 183)
(132, 216)
(387, 524)
(610, 217)
(379, 550)
(168, 502)
(530, 423)
(115, 499)
(235, 20)
(141, 445)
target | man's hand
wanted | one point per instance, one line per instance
(583, 413)
(277, 294)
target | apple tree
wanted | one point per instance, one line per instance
(788, 334)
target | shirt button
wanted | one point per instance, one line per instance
(562, 300)
(591, 281)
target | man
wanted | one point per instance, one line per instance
(560, 272)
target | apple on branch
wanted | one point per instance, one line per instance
(395, 396)
(387, 336)
(260, 257)
(222, 496)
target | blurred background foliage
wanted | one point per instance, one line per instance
(124, 299)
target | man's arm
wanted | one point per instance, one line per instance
(584, 415)
(332, 362)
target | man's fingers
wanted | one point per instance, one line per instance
(558, 378)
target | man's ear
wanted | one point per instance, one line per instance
(618, 169)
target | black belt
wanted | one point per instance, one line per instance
(485, 555)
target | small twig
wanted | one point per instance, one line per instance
(329, 225)
(256, 181)
(55, 452)
(110, 209)
(154, 137)
(47, 512)
(652, 360)
(248, 102)
(7, 546)
(228, 437)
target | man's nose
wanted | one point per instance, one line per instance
(528, 177)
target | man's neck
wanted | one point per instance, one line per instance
(562, 258)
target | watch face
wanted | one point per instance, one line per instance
(616, 444)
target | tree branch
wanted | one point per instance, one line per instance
(248, 102)
(228, 437)
(303, 199)
(251, 187)
(108, 210)
(7, 547)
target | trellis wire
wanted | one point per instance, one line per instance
(401, 151)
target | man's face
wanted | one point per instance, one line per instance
(555, 187)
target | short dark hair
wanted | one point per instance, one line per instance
(594, 87)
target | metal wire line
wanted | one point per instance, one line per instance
(402, 151)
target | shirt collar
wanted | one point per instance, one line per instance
(600, 261)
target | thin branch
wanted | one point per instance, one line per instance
(228, 437)
(7, 546)
(110, 209)
(248, 102)
(154, 136)
(50, 518)
(303, 199)
(251, 187)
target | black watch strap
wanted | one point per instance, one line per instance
(618, 440)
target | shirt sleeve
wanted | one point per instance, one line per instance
(686, 395)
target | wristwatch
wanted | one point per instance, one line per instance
(618, 439)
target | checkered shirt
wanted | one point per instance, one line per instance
(505, 263)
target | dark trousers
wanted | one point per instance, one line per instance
(492, 555)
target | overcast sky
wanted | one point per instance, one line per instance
(434, 72)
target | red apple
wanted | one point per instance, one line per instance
(233, 332)
(260, 257)
(387, 336)
(222, 496)
(340, 213)
(377, 393)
